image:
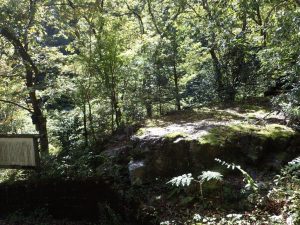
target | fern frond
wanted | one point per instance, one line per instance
(183, 180)
(210, 175)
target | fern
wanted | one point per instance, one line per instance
(181, 181)
(210, 175)
(250, 182)
(186, 179)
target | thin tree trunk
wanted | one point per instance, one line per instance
(159, 99)
(91, 121)
(114, 100)
(112, 117)
(85, 130)
(177, 96)
(116, 109)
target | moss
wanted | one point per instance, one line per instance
(275, 131)
(175, 135)
(217, 136)
(211, 139)
(141, 132)
(250, 107)
(155, 123)
(244, 128)
(257, 113)
(218, 113)
(222, 134)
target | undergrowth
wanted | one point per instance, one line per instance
(279, 205)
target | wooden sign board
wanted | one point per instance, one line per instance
(19, 151)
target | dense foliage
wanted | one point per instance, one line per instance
(91, 67)
(78, 71)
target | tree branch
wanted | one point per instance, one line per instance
(272, 10)
(32, 10)
(90, 23)
(10, 36)
(153, 17)
(138, 17)
(16, 104)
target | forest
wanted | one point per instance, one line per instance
(152, 111)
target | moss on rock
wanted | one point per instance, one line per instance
(175, 135)
(275, 131)
(222, 134)
(141, 131)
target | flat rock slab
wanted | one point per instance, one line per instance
(190, 141)
(194, 127)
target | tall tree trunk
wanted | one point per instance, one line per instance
(212, 51)
(176, 78)
(175, 74)
(149, 109)
(114, 100)
(218, 72)
(38, 118)
(32, 74)
(116, 109)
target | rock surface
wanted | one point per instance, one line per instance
(191, 141)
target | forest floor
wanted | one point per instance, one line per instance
(215, 126)
(159, 203)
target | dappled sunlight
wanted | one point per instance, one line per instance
(123, 95)
(209, 125)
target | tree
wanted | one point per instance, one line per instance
(31, 69)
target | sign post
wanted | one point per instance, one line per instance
(19, 151)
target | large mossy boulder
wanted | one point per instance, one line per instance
(175, 153)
